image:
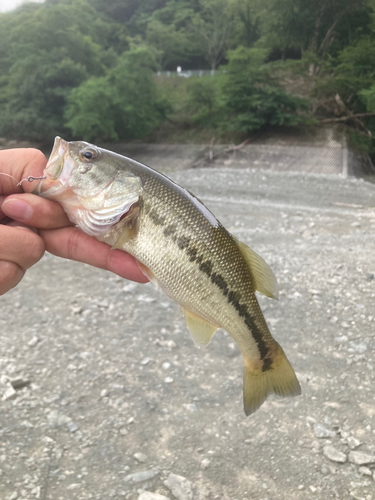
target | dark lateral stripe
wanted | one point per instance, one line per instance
(232, 296)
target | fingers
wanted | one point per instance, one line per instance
(72, 243)
(20, 164)
(34, 211)
(20, 248)
(10, 275)
(2, 215)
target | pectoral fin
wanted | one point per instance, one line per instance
(265, 280)
(202, 331)
(130, 227)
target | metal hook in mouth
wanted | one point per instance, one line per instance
(31, 178)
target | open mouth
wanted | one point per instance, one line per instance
(57, 171)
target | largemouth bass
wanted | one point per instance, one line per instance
(181, 247)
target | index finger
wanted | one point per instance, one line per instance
(20, 164)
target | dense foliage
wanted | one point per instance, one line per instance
(87, 68)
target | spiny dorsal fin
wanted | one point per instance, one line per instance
(201, 331)
(265, 281)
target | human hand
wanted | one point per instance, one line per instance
(37, 224)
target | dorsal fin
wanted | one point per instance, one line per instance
(265, 280)
(201, 330)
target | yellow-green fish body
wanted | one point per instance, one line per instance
(181, 247)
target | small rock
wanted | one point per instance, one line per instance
(140, 457)
(36, 491)
(147, 495)
(19, 383)
(205, 463)
(331, 453)
(360, 458)
(353, 442)
(168, 380)
(73, 486)
(144, 475)
(145, 361)
(13, 496)
(104, 393)
(166, 365)
(322, 432)
(360, 347)
(365, 471)
(72, 426)
(56, 419)
(33, 341)
(10, 393)
(180, 487)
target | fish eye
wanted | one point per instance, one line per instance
(89, 154)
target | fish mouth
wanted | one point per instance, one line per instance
(58, 170)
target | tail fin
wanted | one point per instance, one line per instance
(279, 378)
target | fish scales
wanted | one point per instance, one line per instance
(204, 258)
(182, 248)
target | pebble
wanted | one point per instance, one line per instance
(205, 463)
(19, 383)
(365, 471)
(55, 418)
(13, 496)
(353, 442)
(147, 495)
(168, 380)
(331, 453)
(145, 361)
(144, 475)
(72, 426)
(33, 341)
(360, 458)
(9, 393)
(180, 487)
(140, 457)
(322, 432)
(73, 486)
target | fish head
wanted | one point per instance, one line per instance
(94, 187)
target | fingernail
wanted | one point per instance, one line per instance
(17, 209)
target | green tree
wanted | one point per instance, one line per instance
(47, 51)
(251, 98)
(122, 105)
(212, 30)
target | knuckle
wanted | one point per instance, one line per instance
(36, 249)
(11, 275)
(73, 244)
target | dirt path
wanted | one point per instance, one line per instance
(120, 400)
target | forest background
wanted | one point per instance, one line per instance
(97, 69)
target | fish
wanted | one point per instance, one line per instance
(181, 247)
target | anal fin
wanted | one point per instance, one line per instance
(201, 330)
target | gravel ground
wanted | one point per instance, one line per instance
(105, 395)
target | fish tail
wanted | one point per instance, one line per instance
(262, 378)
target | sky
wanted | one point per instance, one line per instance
(7, 5)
